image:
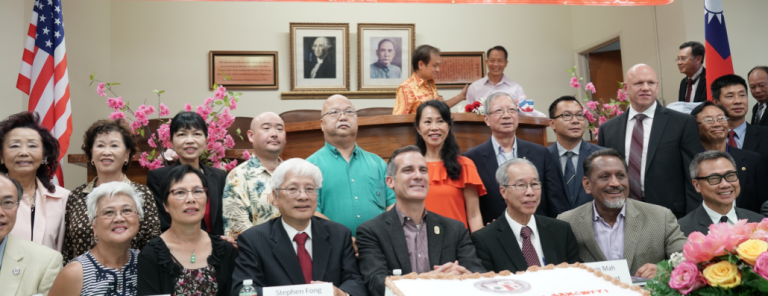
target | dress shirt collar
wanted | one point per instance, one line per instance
(2, 250)
(92, 184)
(696, 75)
(504, 80)
(255, 163)
(497, 149)
(561, 151)
(517, 227)
(648, 112)
(741, 130)
(336, 152)
(622, 214)
(293, 232)
(402, 217)
(380, 65)
(715, 216)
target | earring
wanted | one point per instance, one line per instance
(93, 163)
(94, 240)
(45, 160)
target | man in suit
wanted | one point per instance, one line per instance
(566, 118)
(758, 85)
(501, 116)
(715, 177)
(690, 59)
(409, 237)
(320, 63)
(297, 248)
(658, 142)
(26, 267)
(713, 131)
(614, 227)
(519, 238)
(730, 91)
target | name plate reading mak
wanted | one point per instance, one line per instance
(325, 289)
(243, 69)
(616, 268)
(460, 68)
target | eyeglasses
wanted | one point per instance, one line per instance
(683, 59)
(181, 194)
(111, 214)
(8, 204)
(715, 179)
(524, 186)
(710, 120)
(569, 116)
(294, 191)
(499, 112)
(337, 113)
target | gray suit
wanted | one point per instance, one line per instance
(585, 150)
(699, 220)
(651, 234)
(382, 247)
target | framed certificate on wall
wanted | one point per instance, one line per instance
(243, 70)
(458, 69)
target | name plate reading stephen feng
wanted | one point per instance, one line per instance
(616, 268)
(325, 289)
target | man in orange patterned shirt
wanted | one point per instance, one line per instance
(420, 87)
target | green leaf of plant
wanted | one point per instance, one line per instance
(226, 103)
(213, 114)
(215, 85)
(153, 153)
(219, 103)
(92, 75)
(141, 132)
(115, 83)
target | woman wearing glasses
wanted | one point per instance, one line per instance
(185, 260)
(454, 185)
(109, 268)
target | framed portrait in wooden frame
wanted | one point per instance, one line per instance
(243, 70)
(460, 68)
(384, 55)
(319, 56)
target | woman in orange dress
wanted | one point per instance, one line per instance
(454, 185)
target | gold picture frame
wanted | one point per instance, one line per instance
(319, 56)
(384, 54)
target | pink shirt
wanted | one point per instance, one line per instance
(484, 87)
(49, 217)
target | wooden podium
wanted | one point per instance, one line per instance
(377, 134)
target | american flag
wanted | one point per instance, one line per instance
(43, 74)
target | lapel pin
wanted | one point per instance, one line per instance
(16, 271)
(437, 229)
(523, 157)
(743, 168)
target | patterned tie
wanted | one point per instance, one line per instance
(636, 158)
(723, 219)
(570, 176)
(304, 260)
(732, 139)
(690, 88)
(528, 251)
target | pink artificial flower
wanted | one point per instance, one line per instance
(135, 126)
(219, 93)
(575, 82)
(204, 111)
(100, 89)
(596, 132)
(621, 95)
(724, 235)
(117, 115)
(763, 225)
(156, 164)
(143, 161)
(246, 155)
(217, 164)
(149, 110)
(592, 105)
(589, 87)
(760, 235)
(232, 104)
(164, 110)
(602, 120)
(590, 117)
(115, 103)
(761, 265)
(231, 165)
(164, 133)
(140, 115)
(229, 142)
(702, 248)
(686, 277)
(151, 142)
(741, 231)
(208, 101)
(607, 107)
(187, 107)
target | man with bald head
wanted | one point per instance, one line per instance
(354, 180)
(320, 62)
(659, 144)
(246, 202)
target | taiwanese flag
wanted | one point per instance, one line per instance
(718, 52)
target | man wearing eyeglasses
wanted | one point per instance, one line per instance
(501, 115)
(690, 59)
(715, 176)
(568, 122)
(713, 130)
(519, 239)
(614, 227)
(26, 267)
(354, 188)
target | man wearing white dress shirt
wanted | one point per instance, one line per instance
(496, 81)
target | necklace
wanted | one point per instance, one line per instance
(191, 258)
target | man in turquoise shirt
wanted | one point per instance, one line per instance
(354, 188)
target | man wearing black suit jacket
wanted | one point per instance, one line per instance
(713, 131)
(566, 118)
(519, 239)
(297, 248)
(715, 177)
(758, 85)
(730, 91)
(501, 116)
(690, 59)
(409, 237)
(670, 139)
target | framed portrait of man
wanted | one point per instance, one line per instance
(319, 56)
(384, 55)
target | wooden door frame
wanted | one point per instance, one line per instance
(582, 59)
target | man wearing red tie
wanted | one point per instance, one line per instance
(693, 88)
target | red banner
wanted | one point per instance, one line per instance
(554, 2)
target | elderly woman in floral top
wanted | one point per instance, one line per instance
(110, 146)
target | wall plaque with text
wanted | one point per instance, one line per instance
(243, 70)
(460, 68)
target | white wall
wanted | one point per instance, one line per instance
(12, 22)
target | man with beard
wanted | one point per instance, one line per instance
(354, 188)
(383, 68)
(613, 227)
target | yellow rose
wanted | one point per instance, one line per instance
(722, 274)
(749, 250)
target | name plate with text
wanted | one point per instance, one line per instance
(325, 289)
(616, 268)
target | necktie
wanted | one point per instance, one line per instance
(528, 251)
(688, 92)
(723, 219)
(732, 139)
(570, 176)
(304, 260)
(386, 71)
(636, 158)
(759, 114)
